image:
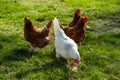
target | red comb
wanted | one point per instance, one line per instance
(77, 61)
(85, 18)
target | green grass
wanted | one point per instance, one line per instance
(100, 51)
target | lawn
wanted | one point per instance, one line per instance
(100, 51)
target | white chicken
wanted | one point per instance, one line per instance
(65, 47)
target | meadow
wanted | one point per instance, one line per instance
(100, 51)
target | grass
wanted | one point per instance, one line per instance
(100, 51)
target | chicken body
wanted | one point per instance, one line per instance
(37, 37)
(65, 47)
(77, 27)
(77, 32)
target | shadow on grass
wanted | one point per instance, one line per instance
(18, 55)
(14, 51)
(43, 68)
(49, 68)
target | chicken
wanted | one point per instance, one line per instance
(64, 46)
(77, 32)
(37, 37)
(76, 17)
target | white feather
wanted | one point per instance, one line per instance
(65, 47)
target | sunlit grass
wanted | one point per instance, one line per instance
(100, 51)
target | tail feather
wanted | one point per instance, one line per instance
(56, 24)
(49, 24)
(27, 23)
(27, 20)
(76, 17)
(57, 28)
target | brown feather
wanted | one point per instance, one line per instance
(37, 37)
(77, 32)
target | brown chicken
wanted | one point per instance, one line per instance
(76, 17)
(77, 32)
(37, 37)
